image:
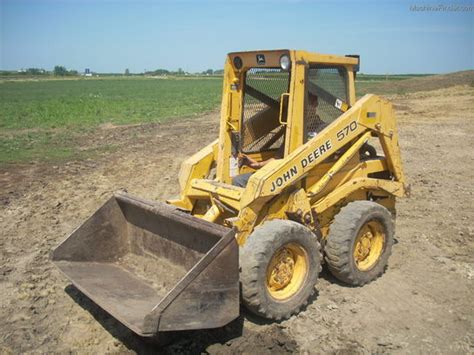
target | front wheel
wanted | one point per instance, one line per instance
(280, 264)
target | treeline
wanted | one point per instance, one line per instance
(58, 70)
(29, 71)
(213, 72)
(180, 71)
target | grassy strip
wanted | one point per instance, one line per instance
(46, 145)
(387, 77)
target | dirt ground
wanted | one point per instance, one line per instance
(423, 303)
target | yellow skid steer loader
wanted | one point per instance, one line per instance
(301, 174)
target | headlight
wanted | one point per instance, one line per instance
(237, 62)
(285, 62)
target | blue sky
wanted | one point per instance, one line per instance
(109, 36)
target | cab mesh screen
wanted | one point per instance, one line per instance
(261, 129)
(320, 112)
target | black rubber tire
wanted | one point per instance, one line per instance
(255, 256)
(367, 151)
(342, 235)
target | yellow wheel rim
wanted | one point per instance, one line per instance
(287, 271)
(369, 245)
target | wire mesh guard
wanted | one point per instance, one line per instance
(261, 129)
(319, 112)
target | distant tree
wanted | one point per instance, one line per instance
(208, 72)
(180, 71)
(127, 72)
(60, 70)
(219, 71)
(161, 72)
(35, 71)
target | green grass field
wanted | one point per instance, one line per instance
(44, 119)
(81, 103)
(40, 120)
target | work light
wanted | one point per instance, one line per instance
(237, 62)
(285, 62)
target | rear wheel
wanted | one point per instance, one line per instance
(280, 264)
(359, 242)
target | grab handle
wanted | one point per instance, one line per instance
(282, 99)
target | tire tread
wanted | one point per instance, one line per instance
(342, 233)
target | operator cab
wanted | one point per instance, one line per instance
(284, 102)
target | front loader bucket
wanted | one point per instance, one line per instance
(154, 267)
